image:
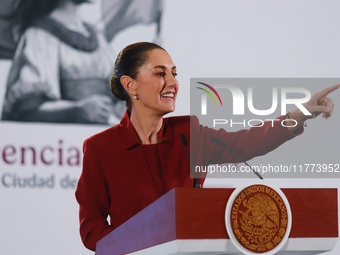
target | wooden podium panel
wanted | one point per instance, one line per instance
(187, 221)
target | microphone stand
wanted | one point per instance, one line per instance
(224, 145)
(185, 144)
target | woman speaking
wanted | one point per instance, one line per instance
(130, 165)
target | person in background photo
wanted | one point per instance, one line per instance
(62, 65)
(149, 158)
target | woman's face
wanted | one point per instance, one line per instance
(156, 83)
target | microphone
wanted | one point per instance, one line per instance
(223, 144)
(185, 144)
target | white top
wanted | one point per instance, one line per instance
(43, 62)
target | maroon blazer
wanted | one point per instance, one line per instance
(120, 178)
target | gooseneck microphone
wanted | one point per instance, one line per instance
(185, 144)
(224, 145)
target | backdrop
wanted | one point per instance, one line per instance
(40, 163)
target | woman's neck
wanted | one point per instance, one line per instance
(147, 126)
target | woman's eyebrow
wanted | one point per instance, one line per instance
(164, 67)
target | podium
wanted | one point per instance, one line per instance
(192, 221)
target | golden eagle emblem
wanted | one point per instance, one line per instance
(259, 218)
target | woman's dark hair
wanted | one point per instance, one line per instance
(128, 62)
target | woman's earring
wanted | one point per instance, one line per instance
(135, 97)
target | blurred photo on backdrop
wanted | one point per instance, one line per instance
(61, 63)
